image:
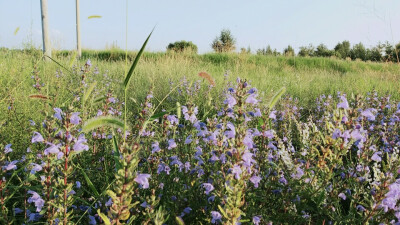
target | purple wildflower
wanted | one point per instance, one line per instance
(231, 132)
(171, 144)
(252, 99)
(142, 179)
(53, 149)
(255, 180)
(377, 156)
(344, 104)
(342, 196)
(58, 113)
(207, 188)
(8, 149)
(216, 217)
(80, 144)
(236, 170)
(35, 168)
(272, 115)
(230, 101)
(39, 202)
(155, 147)
(75, 119)
(368, 113)
(256, 220)
(11, 166)
(37, 137)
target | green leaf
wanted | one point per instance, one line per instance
(179, 220)
(101, 121)
(178, 110)
(94, 17)
(135, 62)
(58, 64)
(116, 154)
(104, 217)
(91, 186)
(223, 212)
(71, 61)
(89, 91)
(276, 98)
(97, 100)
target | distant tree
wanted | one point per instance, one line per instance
(358, 52)
(307, 50)
(289, 51)
(323, 51)
(265, 51)
(376, 53)
(342, 50)
(225, 42)
(182, 46)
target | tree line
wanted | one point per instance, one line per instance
(225, 42)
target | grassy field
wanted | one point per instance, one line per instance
(77, 146)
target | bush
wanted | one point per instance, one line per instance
(182, 46)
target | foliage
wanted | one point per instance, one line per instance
(225, 42)
(182, 46)
(289, 51)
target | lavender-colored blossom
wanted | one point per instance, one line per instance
(11, 166)
(142, 179)
(231, 132)
(81, 144)
(230, 101)
(109, 202)
(92, 220)
(377, 156)
(35, 198)
(35, 168)
(188, 140)
(336, 134)
(391, 197)
(342, 196)
(272, 115)
(255, 180)
(58, 113)
(172, 119)
(187, 210)
(216, 217)
(171, 144)
(369, 114)
(75, 119)
(256, 220)
(299, 173)
(207, 188)
(53, 149)
(344, 104)
(37, 137)
(360, 208)
(355, 134)
(155, 147)
(78, 184)
(236, 171)
(247, 159)
(112, 100)
(8, 149)
(252, 99)
(268, 134)
(18, 210)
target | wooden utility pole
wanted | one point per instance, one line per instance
(78, 33)
(45, 30)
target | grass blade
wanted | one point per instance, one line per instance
(101, 121)
(89, 91)
(276, 98)
(71, 61)
(16, 31)
(90, 184)
(135, 62)
(94, 17)
(118, 165)
(104, 217)
(58, 64)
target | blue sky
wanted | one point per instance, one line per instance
(254, 23)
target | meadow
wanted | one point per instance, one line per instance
(252, 140)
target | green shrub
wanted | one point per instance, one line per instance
(182, 46)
